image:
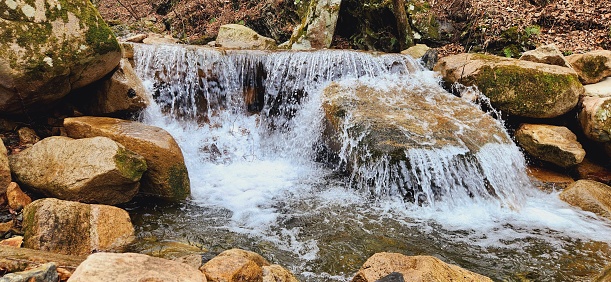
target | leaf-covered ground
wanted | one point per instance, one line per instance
(500, 26)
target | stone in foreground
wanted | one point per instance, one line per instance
(44, 273)
(516, 87)
(73, 228)
(235, 36)
(414, 269)
(48, 48)
(105, 267)
(91, 170)
(241, 265)
(554, 144)
(590, 196)
(167, 175)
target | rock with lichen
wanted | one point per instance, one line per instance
(318, 28)
(48, 48)
(592, 67)
(516, 87)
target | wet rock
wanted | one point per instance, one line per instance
(593, 66)
(48, 49)
(235, 265)
(138, 38)
(193, 260)
(592, 171)
(27, 136)
(389, 127)
(5, 169)
(118, 94)
(554, 144)
(44, 273)
(547, 54)
(393, 277)
(235, 36)
(14, 242)
(429, 59)
(317, 30)
(604, 276)
(416, 51)
(17, 200)
(277, 273)
(154, 38)
(595, 118)
(548, 180)
(101, 267)
(167, 175)
(413, 268)
(590, 196)
(74, 228)
(516, 87)
(92, 170)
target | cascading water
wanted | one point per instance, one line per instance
(250, 126)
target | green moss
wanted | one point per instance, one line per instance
(593, 66)
(527, 92)
(131, 165)
(179, 182)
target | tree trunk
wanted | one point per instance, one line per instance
(403, 27)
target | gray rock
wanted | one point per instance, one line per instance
(317, 30)
(44, 273)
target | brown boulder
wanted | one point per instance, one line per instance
(235, 36)
(414, 269)
(235, 265)
(5, 169)
(554, 144)
(592, 67)
(516, 87)
(92, 170)
(74, 228)
(17, 200)
(103, 267)
(14, 242)
(167, 175)
(276, 273)
(595, 118)
(547, 54)
(590, 196)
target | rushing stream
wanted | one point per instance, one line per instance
(250, 125)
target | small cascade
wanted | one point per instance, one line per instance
(269, 102)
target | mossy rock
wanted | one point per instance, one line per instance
(592, 67)
(516, 87)
(49, 48)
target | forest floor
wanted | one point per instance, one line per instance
(575, 26)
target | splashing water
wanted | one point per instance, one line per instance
(249, 123)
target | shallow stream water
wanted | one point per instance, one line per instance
(257, 185)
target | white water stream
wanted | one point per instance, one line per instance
(254, 175)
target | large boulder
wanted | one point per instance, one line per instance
(516, 87)
(121, 92)
(241, 265)
(167, 175)
(547, 54)
(74, 228)
(590, 196)
(235, 36)
(385, 132)
(554, 144)
(593, 66)
(5, 169)
(92, 170)
(595, 118)
(48, 49)
(317, 30)
(102, 267)
(414, 269)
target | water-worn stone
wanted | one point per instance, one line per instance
(595, 118)
(17, 200)
(5, 169)
(590, 196)
(103, 267)
(277, 273)
(600, 89)
(604, 276)
(554, 144)
(48, 49)
(593, 66)
(549, 180)
(414, 268)
(121, 92)
(27, 136)
(593, 171)
(317, 30)
(235, 265)
(167, 175)
(235, 36)
(547, 54)
(516, 87)
(44, 273)
(416, 51)
(387, 128)
(74, 228)
(92, 170)
(17, 259)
